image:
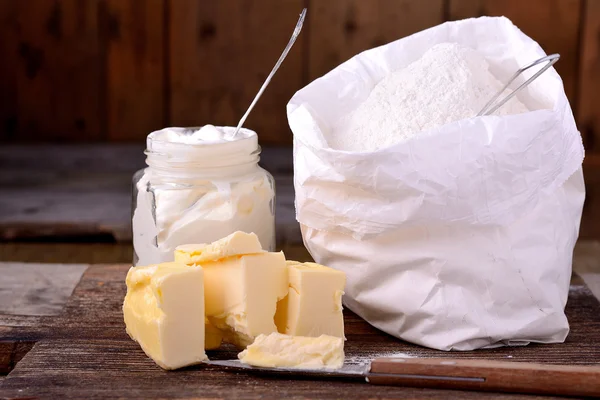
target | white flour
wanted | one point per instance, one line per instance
(448, 83)
(367, 358)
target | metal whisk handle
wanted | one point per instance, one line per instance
(492, 105)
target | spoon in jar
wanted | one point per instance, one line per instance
(275, 68)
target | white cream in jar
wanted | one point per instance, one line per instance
(200, 186)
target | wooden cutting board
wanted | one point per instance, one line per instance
(85, 353)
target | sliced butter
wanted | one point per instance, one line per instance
(237, 243)
(241, 294)
(313, 306)
(213, 337)
(283, 351)
(164, 313)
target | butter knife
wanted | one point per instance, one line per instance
(445, 373)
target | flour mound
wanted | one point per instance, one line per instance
(448, 83)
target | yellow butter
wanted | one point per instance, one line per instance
(238, 243)
(313, 306)
(164, 313)
(284, 351)
(241, 294)
(213, 337)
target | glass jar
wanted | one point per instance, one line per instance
(198, 189)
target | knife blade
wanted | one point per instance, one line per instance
(446, 373)
(351, 371)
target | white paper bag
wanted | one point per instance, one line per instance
(463, 237)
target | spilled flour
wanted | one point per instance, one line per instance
(364, 359)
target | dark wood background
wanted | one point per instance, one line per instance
(114, 70)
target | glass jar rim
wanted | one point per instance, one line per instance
(168, 155)
(153, 139)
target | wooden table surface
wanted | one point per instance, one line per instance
(84, 352)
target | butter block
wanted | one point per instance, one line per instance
(241, 294)
(313, 306)
(164, 313)
(237, 243)
(284, 351)
(213, 337)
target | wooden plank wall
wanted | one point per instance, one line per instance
(220, 54)
(134, 33)
(114, 70)
(53, 75)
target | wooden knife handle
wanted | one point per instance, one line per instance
(499, 376)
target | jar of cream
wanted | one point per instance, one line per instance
(200, 186)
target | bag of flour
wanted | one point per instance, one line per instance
(456, 235)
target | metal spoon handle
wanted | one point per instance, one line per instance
(275, 68)
(490, 107)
